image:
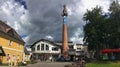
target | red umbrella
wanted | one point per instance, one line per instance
(107, 50)
(116, 50)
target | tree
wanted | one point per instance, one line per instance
(102, 30)
(94, 29)
(115, 23)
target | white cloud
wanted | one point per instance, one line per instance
(83, 5)
(76, 37)
(14, 14)
(49, 37)
(69, 10)
(26, 39)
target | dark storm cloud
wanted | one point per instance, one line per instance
(42, 18)
(46, 19)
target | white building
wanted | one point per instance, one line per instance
(76, 50)
(28, 53)
(45, 50)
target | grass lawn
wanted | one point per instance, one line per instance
(104, 64)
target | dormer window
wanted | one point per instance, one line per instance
(38, 47)
(10, 31)
(42, 46)
(47, 47)
(10, 42)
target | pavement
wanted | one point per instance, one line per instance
(46, 64)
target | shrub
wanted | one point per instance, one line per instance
(21, 64)
(31, 62)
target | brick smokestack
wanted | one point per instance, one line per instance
(65, 34)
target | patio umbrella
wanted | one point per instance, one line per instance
(107, 50)
(116, 50)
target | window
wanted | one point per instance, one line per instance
(19, 45)
(18, 57)
(42, 46)
(10, 42)
(47, 47)
(54, 49)
(82, 51)
(10, 31)
(38, 47)
(8, 57)
(79, 48)
(71, 47)
(33, 48)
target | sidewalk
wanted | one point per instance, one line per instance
(11, 66)
(18, 66)
(51, 64)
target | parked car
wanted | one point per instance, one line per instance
(62, 59)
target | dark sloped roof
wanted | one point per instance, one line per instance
(46, 41)
(9, 31)
(28, 46)
(61, 41)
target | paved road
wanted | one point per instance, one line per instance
(45, 64)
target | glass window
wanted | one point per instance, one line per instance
(33, 49)
(47, 47)
(19, 45)
(11, 32)
(42, 46)
(79, 48)
(54, 49)
(38, 47)
(8, 56)
(71, 47)
(10, 42)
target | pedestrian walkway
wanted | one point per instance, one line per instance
(12, 66)
(46, 64)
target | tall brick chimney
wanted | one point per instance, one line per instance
(65, 33)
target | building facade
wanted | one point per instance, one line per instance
(75, 50)
(45, 50)
(11, 44)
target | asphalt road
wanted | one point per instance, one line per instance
(46, 64)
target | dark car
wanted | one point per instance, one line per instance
(62, 59)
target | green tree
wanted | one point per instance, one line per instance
(101, 30)
(114, 20)
(94, 30)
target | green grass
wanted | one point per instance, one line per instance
(104, 64)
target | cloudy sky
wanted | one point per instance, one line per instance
(36, 19)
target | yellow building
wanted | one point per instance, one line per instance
(11, 44)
